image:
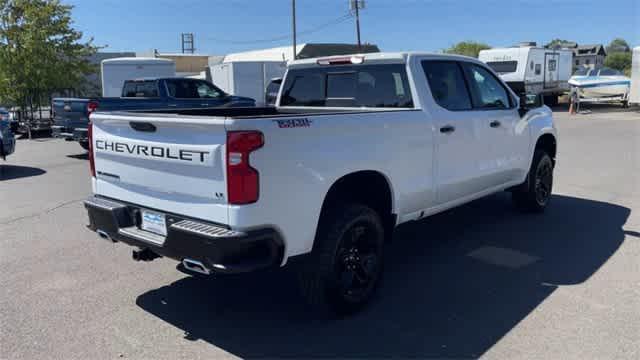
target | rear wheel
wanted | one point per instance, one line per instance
(345, 266)
(534, 195)
(85, 145)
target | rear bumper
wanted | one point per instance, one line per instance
(69, 133)
(80, 135)
(218, 248)
(61, 132)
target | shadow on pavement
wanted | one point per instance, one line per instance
(84, 156)
(455, 284)
(42, 135)
(10, 172)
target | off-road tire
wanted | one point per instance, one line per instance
(323, 276)
(535, 193)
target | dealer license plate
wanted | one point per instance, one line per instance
(154, 222)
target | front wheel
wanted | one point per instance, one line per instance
(535, 193)
(345, 266)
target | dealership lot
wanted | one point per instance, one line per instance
(479, 280)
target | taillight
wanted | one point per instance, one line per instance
(92, 106)
(243, 181)
(92, 163)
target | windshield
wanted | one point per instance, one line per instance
(581, 72)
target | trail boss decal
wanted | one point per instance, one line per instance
(160, 152)
(293, 123)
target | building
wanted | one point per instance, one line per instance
(591, 56)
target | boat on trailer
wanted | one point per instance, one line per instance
(600, 85)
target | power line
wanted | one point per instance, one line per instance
(312, 30)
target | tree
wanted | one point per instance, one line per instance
(40, 52)
(559, 43)
(619, 61)
(467, 48)
(618, 45)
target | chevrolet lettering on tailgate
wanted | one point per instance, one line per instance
(166, 152)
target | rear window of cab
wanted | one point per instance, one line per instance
(375, 86)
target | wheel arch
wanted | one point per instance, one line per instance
(549, 143)
(367, 187)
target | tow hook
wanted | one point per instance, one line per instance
(144, 255)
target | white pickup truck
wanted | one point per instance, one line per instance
(355, 146)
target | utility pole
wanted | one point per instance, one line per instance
(358, 24)
(293, 16)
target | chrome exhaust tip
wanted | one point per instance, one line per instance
(103, 235)
(195, 266)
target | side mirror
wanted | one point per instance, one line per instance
(530, 101)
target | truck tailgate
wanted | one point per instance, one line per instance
(171, 164)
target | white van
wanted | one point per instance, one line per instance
(530, 69)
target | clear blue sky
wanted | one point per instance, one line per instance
(223, 26)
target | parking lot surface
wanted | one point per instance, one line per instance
(480, 280)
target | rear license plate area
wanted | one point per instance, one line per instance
(153, 222)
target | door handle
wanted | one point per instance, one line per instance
(172, 105)
(447, 129)
(495, 124)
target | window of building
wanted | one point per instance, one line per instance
(538, 69)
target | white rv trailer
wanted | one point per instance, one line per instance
(531, 69)
(634, 94)
(116, 71)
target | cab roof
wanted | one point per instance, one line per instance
(376, 58)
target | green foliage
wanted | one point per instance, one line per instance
(467, 48)
(559, 43)
(40, 52)
(619, 61)
(618, 45)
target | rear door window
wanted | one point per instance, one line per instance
(140, 89)
(192, 89)
(487, 92)
(381, 86)
(447, 84)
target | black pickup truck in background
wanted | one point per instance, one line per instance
(71, 115)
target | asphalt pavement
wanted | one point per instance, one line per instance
(479, 281)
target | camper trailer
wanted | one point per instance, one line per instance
(531, 69)
(116, 71)
(634, 95)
